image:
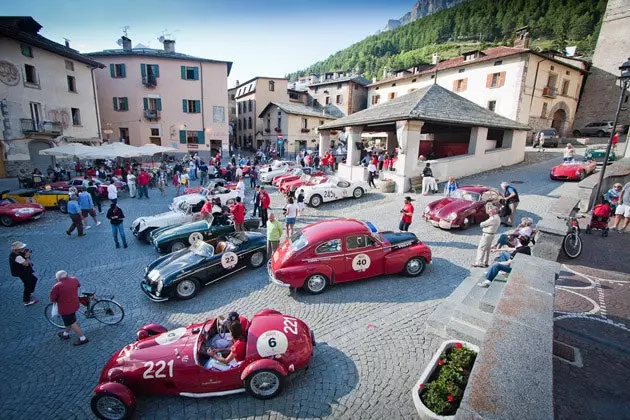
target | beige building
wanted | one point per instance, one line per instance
(47, 97)
(291, 127)
(339, 93)
(164, 97)
(232, 113)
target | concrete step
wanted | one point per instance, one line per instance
(492, 296)
(440, 317)
(475, 294)
(461, 330)
(472, 315)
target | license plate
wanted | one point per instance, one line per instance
(444, 224)
(37, 217)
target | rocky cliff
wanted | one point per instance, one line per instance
(420, 9)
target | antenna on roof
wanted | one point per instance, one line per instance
(125, 29)
(67, 42)
(119, 42)
(161, 39)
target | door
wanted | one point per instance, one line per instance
(38, 161)
(364, 257)
(330, 253)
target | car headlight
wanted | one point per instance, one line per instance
(160, 285)
(427, 209)
(451, 217)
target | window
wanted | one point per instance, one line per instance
(551, 67)
(155, 132)
(495, 80)
(72, 85)
(30, 74)
(565, 87)
(498, 63)
(268, 122)
(69, 65)
(272, 86)
(460, 85)
(338, 99)
(279, 126)
(117, 71)
(27, 51)
(358, 242)
(458, 71)
(191, 106)
(543, 113)
(393, 84)
(189, 73)
(392, 95)
(321, 122)
(191, 138)
(152, 104)
(411, 90)
(327, 100)
(249, 106)
(413, 80)
(492, 105)
(305, 123)
(124, 135)
(315, 102)
(328, 247)
(76, 116)
(470, 56)
(375, 99)
(568, 73)
(121, 104)
(249, 123)
(240, 126)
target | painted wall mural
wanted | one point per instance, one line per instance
(59, 115)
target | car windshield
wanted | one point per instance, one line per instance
(202, 249)
(237, 238)
(298, 241)
(7, 201)
(183, 206)
(549, 132)
(466, 195)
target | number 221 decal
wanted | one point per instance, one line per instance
(160, 365)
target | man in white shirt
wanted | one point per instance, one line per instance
(112, 193)
(239, 172)
(240, 188)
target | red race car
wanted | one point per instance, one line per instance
(210, 186)
(294, 185)
(80, 183)
(573, 170)
(342, 250)
(175, 362)
(297, 173)
(292, 173)
(465, 207)
(12, 212)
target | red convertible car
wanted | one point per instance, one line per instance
(211, 185)
(175, 362)
(465, 207)
(80, 183)
(12, 212)
(574, 170)
(342, 250)
(291, 173)
(296, 175)
(304, 180)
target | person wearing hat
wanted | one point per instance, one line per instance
(511, 199)
(65, 293)
(489, 228)
(74, 211)
(21, 266)
(505, 259)
(407, 214)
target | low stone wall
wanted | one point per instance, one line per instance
(551, 230)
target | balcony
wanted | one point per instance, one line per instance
(152, 114)
(267, 130)
(42, 127)
(149, 81)
(277, 130)
(549, 91)
(305, 130)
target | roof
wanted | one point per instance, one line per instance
(155, 53)
(432, 104)
(297, 109)
(25, 29)
(333, 229)
(357, 79)
(260, 77)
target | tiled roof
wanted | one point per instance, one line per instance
(432, 104)
(297, 109)
(25, 29)
(357, 79)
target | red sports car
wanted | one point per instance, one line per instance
(465, 207)
(176, 363)
(294, 185)
(12, 212)
(211, 185)
(341, 250)
(291, 173)
(574, 170)
(297, 174)
(80, 183)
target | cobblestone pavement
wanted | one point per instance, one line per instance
(371, 342)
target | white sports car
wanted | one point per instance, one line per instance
(226, 195)
(277, 167)
(333, 189)
(185, 212)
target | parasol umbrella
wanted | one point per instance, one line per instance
(70, 149)
(152, 149)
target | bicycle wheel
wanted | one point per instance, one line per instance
(107, 311)
(572, 245)
(55, 320)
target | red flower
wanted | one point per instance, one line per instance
(458, 345)
(450, 398)
(421, 386)
(440, 362)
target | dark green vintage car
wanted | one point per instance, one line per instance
(177, 237)
(598, 154)
(181, 274)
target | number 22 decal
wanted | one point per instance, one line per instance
(160, 365)
(290, 326)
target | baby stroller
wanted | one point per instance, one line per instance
(600, 217)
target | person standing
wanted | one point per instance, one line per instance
(176, 183)
(623, 209)
(161, 183)
(238, 172)
(253, 177)
(505, 260)
(511, 199)
(203, 170)
(143, 184)
(131, 183)
(569, 153)
(87, 208)
(240, 188)
(450, 186)
(238, 212)
(96, 196)
(21, 267)
(291, 215)
(274, 233)
(112, 193)
(371, 174)
(265, 202)
(65, 293)
(300, 201)
(74, 211)
(256, 200)
(407, 214)
(116, 217)
(489, 229)
(428, 182)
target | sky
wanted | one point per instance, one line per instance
(261, 37)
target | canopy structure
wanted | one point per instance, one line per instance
(152, 149)
(111, 150)
(70, 149)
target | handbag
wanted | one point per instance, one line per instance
(54, 312)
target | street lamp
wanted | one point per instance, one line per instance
(624, 81)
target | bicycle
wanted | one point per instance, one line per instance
(572, 242)
(106, 311)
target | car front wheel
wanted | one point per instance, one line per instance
(582, 175)
(6, 221)
(600, 133)
(316, 200)
(63, 206)
(257, 259)
(316, 284)
(110, 406)
(467, 222)
(187, 289)
(357, 193)
(177, 246)
(415, 266)
(576, 133)
(264, 384)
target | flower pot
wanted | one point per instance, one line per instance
(387, 186)
(424, 412)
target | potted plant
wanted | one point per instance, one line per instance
(441, 386)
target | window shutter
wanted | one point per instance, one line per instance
(201, 137)
(184, 105)
(196, 71)
(115, 103)
(182, 136)
(156, 70)
(124, 104)
(501, 79)
(183, 72)
(145, 102)
(197, 106)
(158, 102)
(123, 71)
(112, 70)
(489, 80)
(465, 84)
(454, 85)
(143, 70)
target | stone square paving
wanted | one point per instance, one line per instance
(371, 345)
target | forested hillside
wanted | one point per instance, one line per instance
(556, 23)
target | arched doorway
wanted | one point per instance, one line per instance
(559, 121)
(38, 161)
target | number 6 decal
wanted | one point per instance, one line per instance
(272, 343)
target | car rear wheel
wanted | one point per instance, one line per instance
(6, 220)
(316, 200)
(110, 406)
(187, 289)
(264, 384)
(576, 133)
(357, 193)
(257, 259)
(63, 206)
(144, 235)
(177, 246)
(600, 133)
(316, 284)
(415, 266)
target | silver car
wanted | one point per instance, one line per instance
(597, 129)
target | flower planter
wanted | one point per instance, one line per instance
(387, 186)
(430, 374)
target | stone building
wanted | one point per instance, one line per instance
(338, 93)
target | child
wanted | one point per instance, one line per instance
(300, 200)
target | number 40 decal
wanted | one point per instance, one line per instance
(160, 365)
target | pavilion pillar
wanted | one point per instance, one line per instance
(390, 142)
(324, 141)
(353, 136)
(408, 134)
(477, 143)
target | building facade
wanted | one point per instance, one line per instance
(47, 97)
(164, 97)
(339, 93)
(232, 113)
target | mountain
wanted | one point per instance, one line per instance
(419, 10)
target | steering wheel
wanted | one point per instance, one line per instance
(221, 330)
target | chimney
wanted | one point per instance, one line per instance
(373, 79)
(522, 38)
(169, 45)
(67, 43)
(238, 83)
(436, 59)
(126, 43)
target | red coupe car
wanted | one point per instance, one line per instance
(175, 362)
(80, 183)
(574, 170)
(342, 250)
(12, 212)
(287, 187)
(465, 207)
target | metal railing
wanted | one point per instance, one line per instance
(152, 114)
(30, 126)
(149, 81)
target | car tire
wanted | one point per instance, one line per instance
(415, 266)
(144, 235)
(315, 284)
(600, 133)
(266, 376)
(582, 175)
(177, 246)
(63, 206)
(257, 259)
(187, 288)
(104, 403)
(576, 133)
(315, 201)
(358, 192)
(467, 222)
(6, 221)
